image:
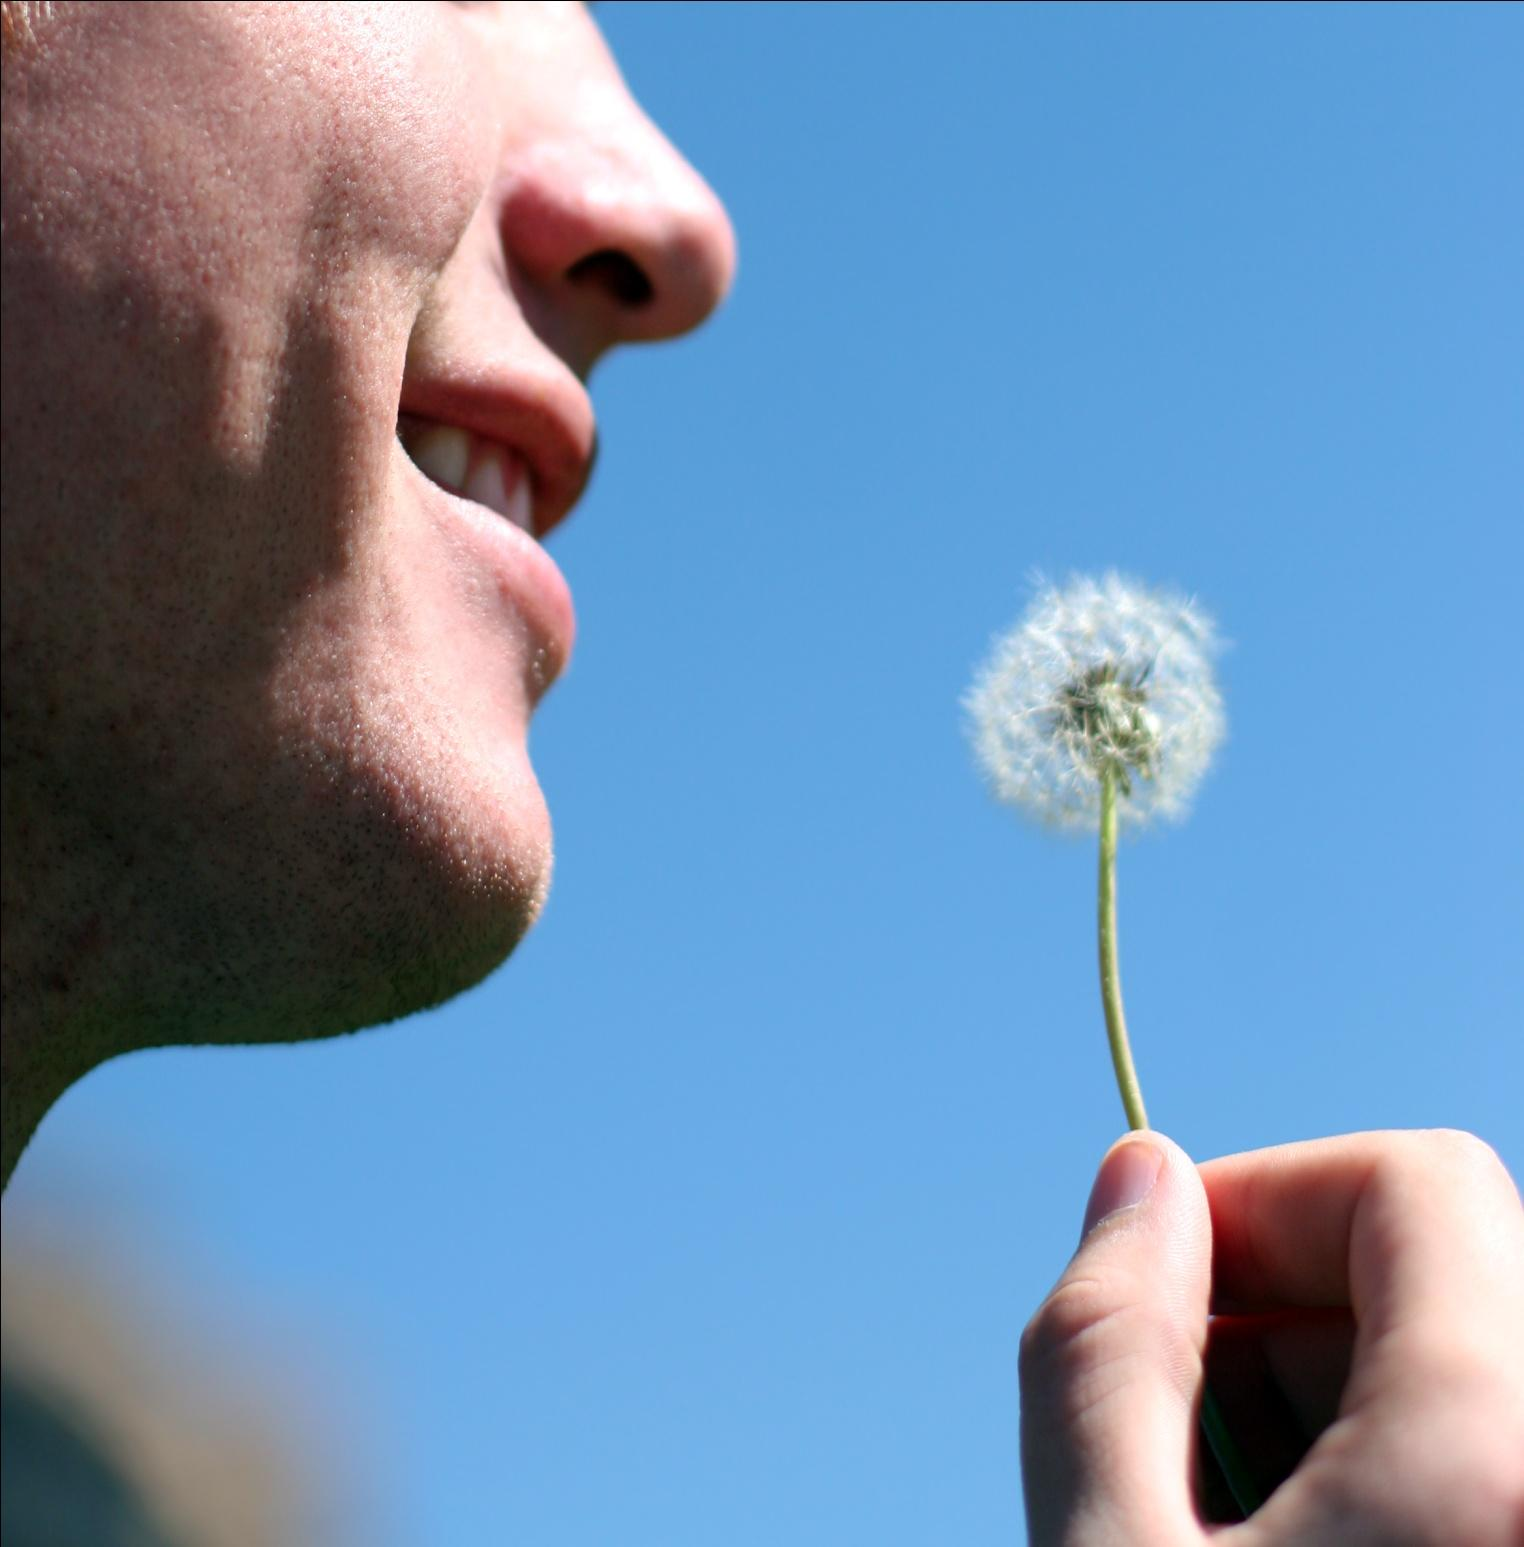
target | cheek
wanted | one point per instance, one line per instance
(408, 133)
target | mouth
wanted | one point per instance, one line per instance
(472, 467)
(519, 442)
(502, 452)
(493, 510)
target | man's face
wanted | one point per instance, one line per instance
(268, 677)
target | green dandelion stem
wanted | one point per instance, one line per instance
(1111, 980)
(1229, 1458)
(1227, 1455)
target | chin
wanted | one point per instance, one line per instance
(488, 894)
(402, 845)
(465, 882)
(365, 880)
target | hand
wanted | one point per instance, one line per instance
(1367, 1350)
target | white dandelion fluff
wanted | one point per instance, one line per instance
(1101, 674)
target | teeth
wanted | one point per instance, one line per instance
(478, 470)
(443, 452)
(499, 481)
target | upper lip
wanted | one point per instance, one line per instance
(542, 413)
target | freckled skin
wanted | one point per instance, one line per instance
(265, 765)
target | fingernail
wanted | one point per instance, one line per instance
(1126, 1177)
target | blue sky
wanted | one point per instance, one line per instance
(715, 1216)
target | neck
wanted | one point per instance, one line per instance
(56, 968)
(27, 1089)
(53, 1037)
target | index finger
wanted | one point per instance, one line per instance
(1384, 1223)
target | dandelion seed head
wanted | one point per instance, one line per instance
(1099, 673)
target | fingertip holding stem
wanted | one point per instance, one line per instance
(1126, 1177)
(1128, 1181)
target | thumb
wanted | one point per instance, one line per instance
(1111, 1362)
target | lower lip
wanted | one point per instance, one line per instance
(523, 574)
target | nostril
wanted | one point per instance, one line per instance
(615, 273)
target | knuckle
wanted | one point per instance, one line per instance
(1449, 1159)
(1468, 1379)
(1488, 1503)
(1450, 1473)
(1465, 1153)
(1073, 1309)
(1473, 1456)
(1087, 1326)
(1050, 1326)
(1502, 1493)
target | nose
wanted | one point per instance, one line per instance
(614, 235)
